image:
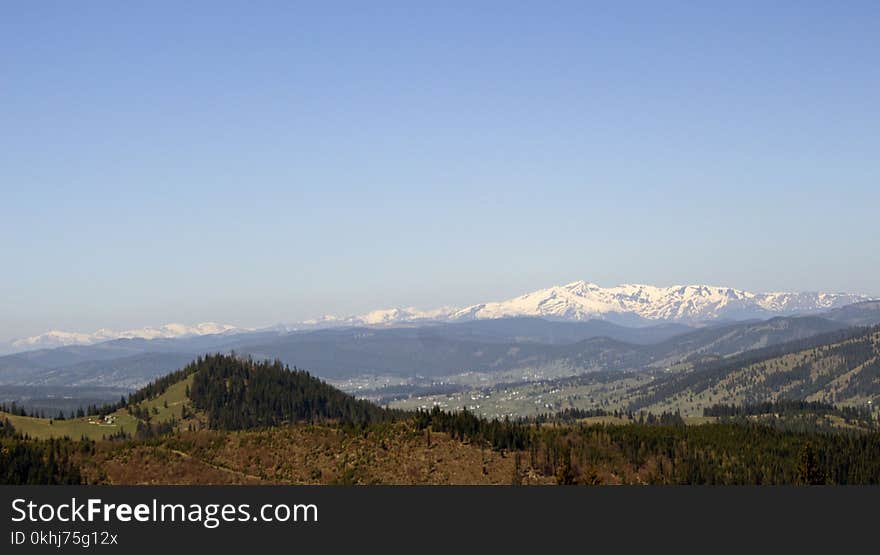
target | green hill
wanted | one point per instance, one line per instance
(225, 391)
(143, 408)
(238, 394)
(841, 369)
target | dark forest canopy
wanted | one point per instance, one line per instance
(25, 461)
(239, 393)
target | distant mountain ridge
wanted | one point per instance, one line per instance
(429, 351)
(56, 338)
(581, 300)
(629, 304)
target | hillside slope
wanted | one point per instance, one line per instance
(237, 393)
(841, 368)
(273, 425)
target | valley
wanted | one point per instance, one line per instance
(231, 420)
(507, 401)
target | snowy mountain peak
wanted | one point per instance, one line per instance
(583, 300)
(380, 317)
(56, 338)
(579, 300)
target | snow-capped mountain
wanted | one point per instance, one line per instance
(383, 316)
(579, 300)
(57, 338)
(582, 300)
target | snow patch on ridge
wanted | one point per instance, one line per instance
(56, 338)
(582, 300)
(576, 301)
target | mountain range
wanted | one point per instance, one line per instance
(629, 304)
(56, 338)
(581, 300)
(498, 349)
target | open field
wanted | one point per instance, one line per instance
(162, 409)
(534, 398)
(169, 404)
(74, 428)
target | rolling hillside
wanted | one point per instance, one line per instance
(229, 420)
(168, 406)
(219, 391)
(841, 368)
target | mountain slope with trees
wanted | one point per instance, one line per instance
(841, 368)
(238, 393)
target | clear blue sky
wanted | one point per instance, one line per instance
(256, 162)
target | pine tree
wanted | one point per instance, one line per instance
(564, 472)
(809, 472)
(517, 471)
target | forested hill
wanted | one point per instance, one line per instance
(841, 369)
(237, 394)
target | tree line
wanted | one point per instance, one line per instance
(24, 461)
(789, 406)
(723, 453)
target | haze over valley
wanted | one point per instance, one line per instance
(572, 346)
(576, 301)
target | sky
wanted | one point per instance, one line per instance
(262, 162)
